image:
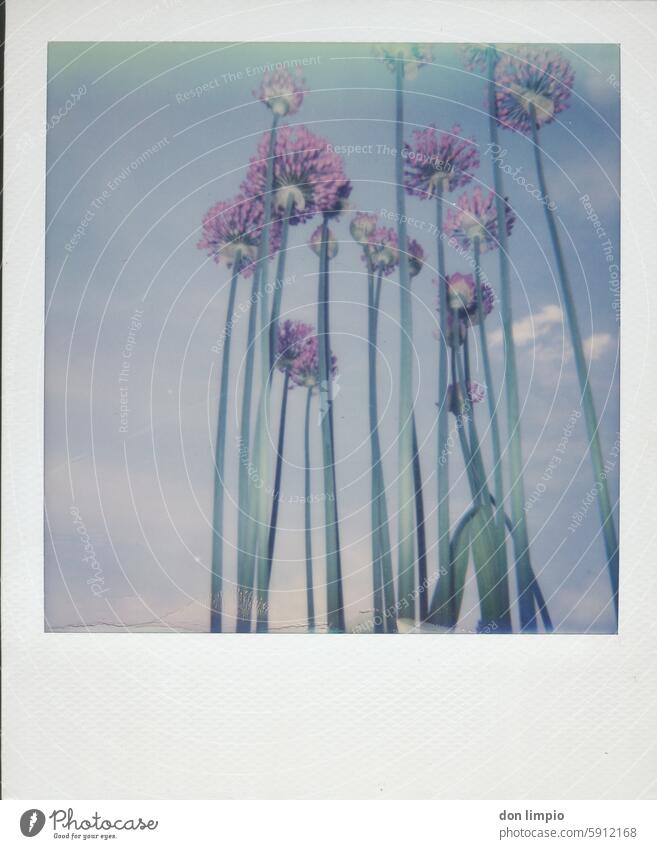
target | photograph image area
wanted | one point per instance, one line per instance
(332, 338)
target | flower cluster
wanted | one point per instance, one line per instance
(309, 177)
(315, 243)
(235, 227)
(413, 56)
(475, 217)
(281, 91)
(438, 162)
(298, 353)
(532, 80)
(292, 337)
(382, 250)
(477, 56)
(415, 257)
(463, 306)
(363, 224)
(306, 367)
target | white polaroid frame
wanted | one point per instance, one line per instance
(189, 716)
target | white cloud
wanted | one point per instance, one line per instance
(596, 345)
(534, 326)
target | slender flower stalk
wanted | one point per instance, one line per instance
(520, 534)
(253, 503)
(437, 163)
(444, 556)
(280, 279)
(305, 372)
(263, 611)
(375, 505)
(406, 547)
(492, 410)
(334, 590)
(219, 466)
(381, 256)
(590, 416)
(307, 512)
(290, 354)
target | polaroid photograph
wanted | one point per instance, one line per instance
(314, 327)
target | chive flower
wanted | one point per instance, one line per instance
(438, 162)
(235, 226)
(415, 257)
(315, 243)
(292, 338)
(477, 56)
(382, 250)
(532, 77)
(475, 217)
(413, 56)
(281, 91)
(363, 224)
(308, 177)
(305, 369)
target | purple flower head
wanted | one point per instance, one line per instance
(235, 226)
(463, 306)
(363, 224)
(488, 301)
(281, 91)
(308, 175)
(415, 257)
(477, 56)
(305, 371)
(292, 338)
(413, 56)
(475, 217)
(382, 250)
(315, 243)
(476, 394)
(534, 80)
(436, 163)
(461, 293)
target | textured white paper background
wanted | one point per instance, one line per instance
(189, 716)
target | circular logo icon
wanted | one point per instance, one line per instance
(32, 822)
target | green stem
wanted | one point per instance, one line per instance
(377, 577)
(280, 275)
(263, 611)
(444, 557)
(308, 516)
(251, 504)
(406, 541)
(460, 418)
(245, 563)
(216, 592)
(390, 618)
(592, 426)
(334, 594)
(475, 446)
(516, 488)
(261, 454)
(420, 529)
(492, 407)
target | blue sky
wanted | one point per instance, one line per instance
(134, 160)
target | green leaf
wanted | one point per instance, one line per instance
(446, 603)
(492, 583)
